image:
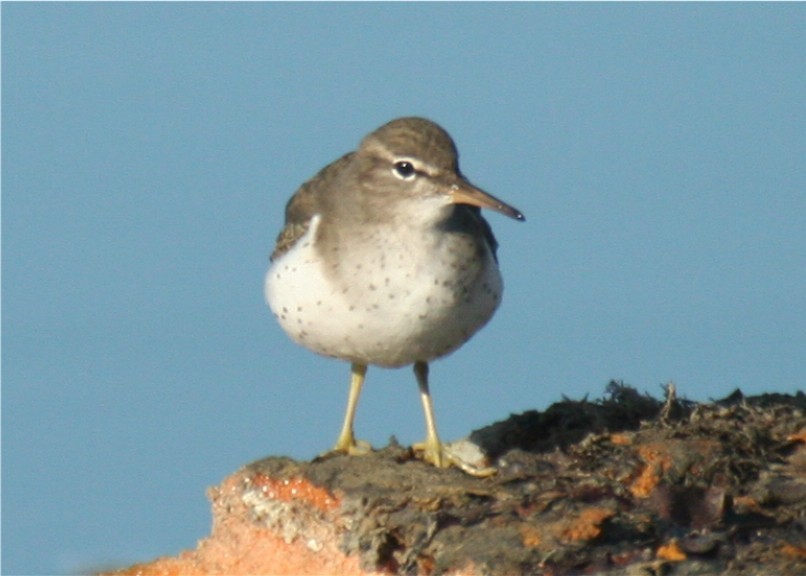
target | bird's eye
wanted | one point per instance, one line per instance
(404, 170)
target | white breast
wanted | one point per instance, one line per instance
(391, 305)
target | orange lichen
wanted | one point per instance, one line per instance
(621, 439)
(587, 525)
(530, 536)
(799, 436)
(239, 546)
(163, 567)
(296, 489)
(794, 551)
(657, 461)
(671, 552)
(746, 503)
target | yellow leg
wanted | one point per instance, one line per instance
(346, 442)
(432, 447)
(434, 452)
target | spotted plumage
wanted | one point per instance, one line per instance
(385, 259)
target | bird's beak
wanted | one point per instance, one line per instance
(464, 192)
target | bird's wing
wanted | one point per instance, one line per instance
(305, 204)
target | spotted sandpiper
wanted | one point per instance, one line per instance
(385, 259)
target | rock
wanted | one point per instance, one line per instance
(626, 485)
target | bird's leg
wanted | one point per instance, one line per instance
(432, 447)
(347, 442)
(434, 451)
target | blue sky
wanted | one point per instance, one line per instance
(148, 151)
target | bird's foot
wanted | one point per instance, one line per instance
(347, 444)
(358, 448)
(443, 456)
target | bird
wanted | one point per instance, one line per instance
(385, 260)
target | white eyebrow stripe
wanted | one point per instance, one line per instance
(421, 167)
(405, 159)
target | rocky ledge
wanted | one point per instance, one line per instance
(625, 485)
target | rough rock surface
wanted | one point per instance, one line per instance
(626, 485)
